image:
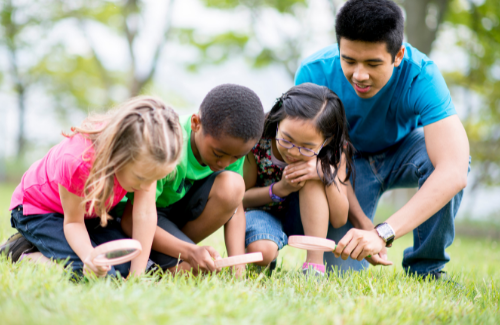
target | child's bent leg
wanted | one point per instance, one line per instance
(314, 212)
(264, 233)
(225, 196)
(36, 257)
(268, 248)
(46, 232)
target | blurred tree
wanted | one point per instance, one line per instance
(84, 78)
(423, 18)
(275, 32)
(89, 81)
(476, 26)
(22, 29)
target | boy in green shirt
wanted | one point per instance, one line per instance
(207, 186)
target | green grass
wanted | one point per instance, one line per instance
(33, 294)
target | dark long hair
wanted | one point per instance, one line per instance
(321, 105)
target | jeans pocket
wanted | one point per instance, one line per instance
(12, 220)
(29, 222)
(17, 218)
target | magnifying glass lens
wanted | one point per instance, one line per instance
(117, 253)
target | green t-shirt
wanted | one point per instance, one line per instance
(173, 187)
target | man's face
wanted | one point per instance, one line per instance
(367, 66)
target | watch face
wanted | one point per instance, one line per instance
(385, 231)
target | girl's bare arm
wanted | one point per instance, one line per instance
(75, 231)
(144, 218)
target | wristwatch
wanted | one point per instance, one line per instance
(273, 196)
(386, 232)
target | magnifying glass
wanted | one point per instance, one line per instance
(116, 252)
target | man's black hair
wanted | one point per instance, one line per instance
(232, 110)
(371, 21)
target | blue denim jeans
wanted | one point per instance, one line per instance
(46, 232)
(404, 165)
(261, 225)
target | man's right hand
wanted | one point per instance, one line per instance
(99, 270)
(202, 257)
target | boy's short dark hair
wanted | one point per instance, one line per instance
(371, 21)
(232, 110)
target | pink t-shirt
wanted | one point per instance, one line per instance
(68, 164)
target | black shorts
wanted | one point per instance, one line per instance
(175, 216)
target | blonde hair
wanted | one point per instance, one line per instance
(142, 126)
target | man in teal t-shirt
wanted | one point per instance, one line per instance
(404, 126)
(205, 191)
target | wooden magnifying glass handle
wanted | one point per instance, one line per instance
(313, 243)
(239, 259)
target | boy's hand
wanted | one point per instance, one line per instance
(203, 257)
(99, 270)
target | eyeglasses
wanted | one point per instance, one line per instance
(303, 151)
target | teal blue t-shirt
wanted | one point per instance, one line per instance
(415, 95)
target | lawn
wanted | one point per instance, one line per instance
(32, 294)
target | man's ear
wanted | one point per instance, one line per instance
(399, 56)
(195, 122)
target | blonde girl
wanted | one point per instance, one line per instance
(61, 206)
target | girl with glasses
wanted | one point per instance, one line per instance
(296, 175)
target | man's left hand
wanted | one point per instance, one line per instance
(358, 244)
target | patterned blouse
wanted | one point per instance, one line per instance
(267, 172)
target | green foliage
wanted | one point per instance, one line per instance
(18, 23)
(213, 50)
(477, 26)
(77, 80)
(217, 49)
(282, 6)
(109, 13)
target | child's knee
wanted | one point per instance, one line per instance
(228, 188)
(269, 250)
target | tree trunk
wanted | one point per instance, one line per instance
(423, 18)
(21, 140)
